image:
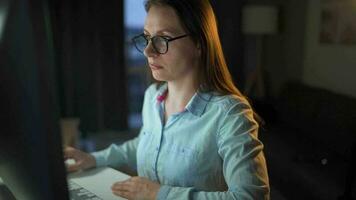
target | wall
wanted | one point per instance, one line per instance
(295, 53)
(328, 66)
(283, 53)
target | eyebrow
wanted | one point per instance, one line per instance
(173, 31)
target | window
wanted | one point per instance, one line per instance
(137, 72)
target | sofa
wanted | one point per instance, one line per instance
(309, 139)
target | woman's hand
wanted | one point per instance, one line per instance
(136, 188)
(82, 160)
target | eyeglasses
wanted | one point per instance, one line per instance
(159, 43)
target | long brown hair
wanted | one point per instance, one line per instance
(198, 18)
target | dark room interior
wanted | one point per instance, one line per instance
(297, 68)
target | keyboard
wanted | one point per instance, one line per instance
(77, 192)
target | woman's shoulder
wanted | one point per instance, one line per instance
(228, 102)
(233, 109)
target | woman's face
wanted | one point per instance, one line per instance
(182, 59)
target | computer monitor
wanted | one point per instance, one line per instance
(31, 160)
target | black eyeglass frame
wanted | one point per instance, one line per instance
(165, 38)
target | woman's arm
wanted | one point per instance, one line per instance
(118, 156)
(124, 155)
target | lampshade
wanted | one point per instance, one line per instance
(259, 19)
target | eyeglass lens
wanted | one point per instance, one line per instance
(141, 43)
(158, 42)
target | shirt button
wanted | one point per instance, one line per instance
(157, 148)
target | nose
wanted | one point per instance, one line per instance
(150, 51)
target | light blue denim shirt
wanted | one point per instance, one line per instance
(210, 150)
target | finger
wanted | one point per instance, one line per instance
(117, 183)
(68, 148)
(127, 181)
(73, 167)
(68, 152)
(124, 194)
(121, 187)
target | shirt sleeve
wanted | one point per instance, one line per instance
(125, 154)
(244, 164)
(118, 155)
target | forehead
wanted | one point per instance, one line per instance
(162, 19)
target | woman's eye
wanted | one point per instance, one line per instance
(146, 36)
(166, 37)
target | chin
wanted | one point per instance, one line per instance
(159, 77)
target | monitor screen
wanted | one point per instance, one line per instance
(31, 160)
(3, 15)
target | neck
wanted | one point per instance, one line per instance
(179, 93)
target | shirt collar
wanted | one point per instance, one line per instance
(160, 94)
(196, 104)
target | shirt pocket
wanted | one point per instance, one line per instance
(180, 166)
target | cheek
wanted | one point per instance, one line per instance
(191, 58)
(186, 56)
(181, 60)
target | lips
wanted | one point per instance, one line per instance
(155, 66)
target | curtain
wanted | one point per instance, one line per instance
(89, 41)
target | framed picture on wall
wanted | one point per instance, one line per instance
(338, 22)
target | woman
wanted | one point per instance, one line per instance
(199, 136)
